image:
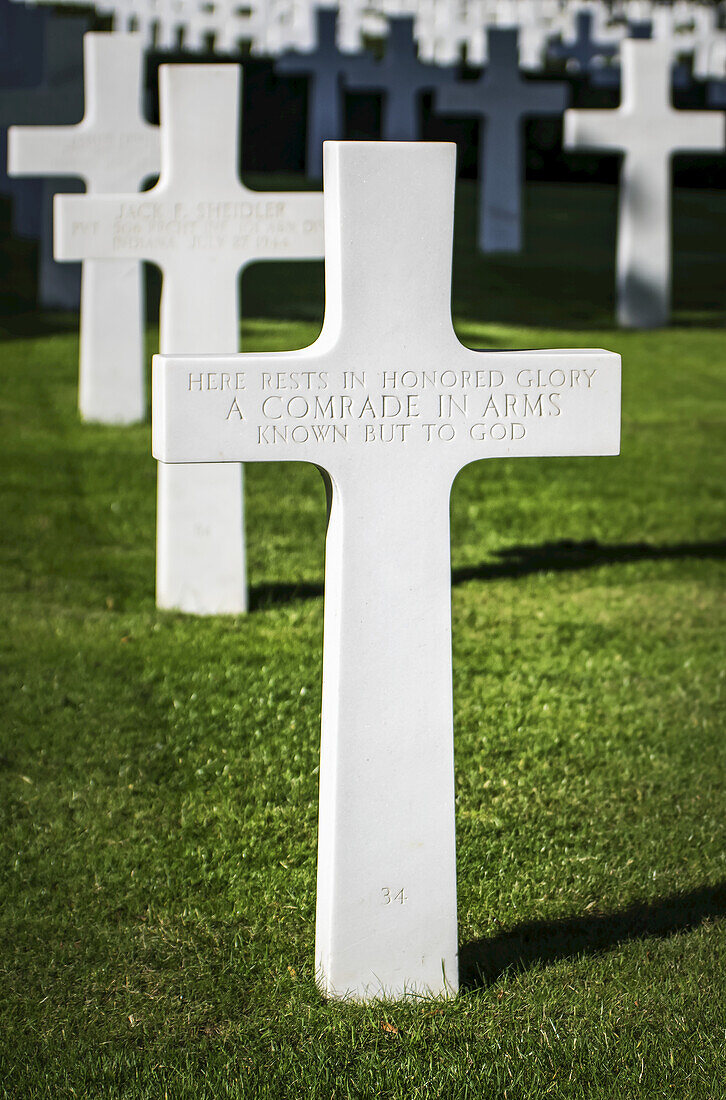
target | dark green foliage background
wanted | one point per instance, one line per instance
(159, 772)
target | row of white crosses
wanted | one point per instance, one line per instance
(646, 128)
(445, 30)
(392, 408)
(499, 100)
(201, 226)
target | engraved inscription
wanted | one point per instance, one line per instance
(247, 226)
(377, 407)
(391, 898)
(105, 144)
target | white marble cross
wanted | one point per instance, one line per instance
(392, 406)
(113, 149)
(201, 226)
(500, 99)
(647, 130)
(402, 78)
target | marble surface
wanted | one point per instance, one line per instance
(391, 406)
(201, 226)
(647, 130)
(113, 149)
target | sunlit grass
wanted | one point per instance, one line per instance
(159, 772)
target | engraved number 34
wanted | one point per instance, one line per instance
(389, 896)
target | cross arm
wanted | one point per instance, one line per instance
(104, 227)
(294, 64)
(244, 227)
(697, 131)
(596, 130)
(457, 98)
(387, 382)
(283, 225)
(42, 151)
(364, 73)
(548, 98)
(314, 407)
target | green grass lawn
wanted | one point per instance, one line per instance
(158, 773)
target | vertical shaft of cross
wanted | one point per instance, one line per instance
(325, 118)
(325, 98)
(111, 352)
(200, 508)
(643, 259)
(500, 198)
(386, 908)
(400, 122)
(111, 360)
(645, 77)
(407, 269)
(112, 61)
(386, 919)
(213, 149)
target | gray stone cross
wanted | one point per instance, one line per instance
(501, 99)
(402, 78)
(325, 67)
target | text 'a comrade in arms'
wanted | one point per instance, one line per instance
(316, 403)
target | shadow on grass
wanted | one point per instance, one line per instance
(567, 555)
(33, 324)
(483, 962)
(519, 561)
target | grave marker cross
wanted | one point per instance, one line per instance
(324, 67)
(113, 149)
(392, 406)
(58, 98)
(647, 130)
(500, 99)
(402, 77)
(201, 225)
(583, 53)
